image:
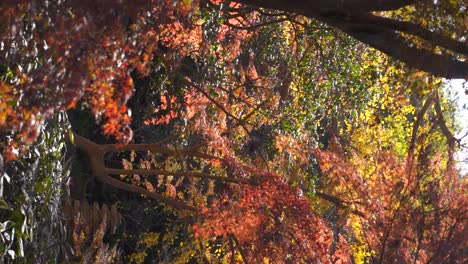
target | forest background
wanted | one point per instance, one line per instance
(164, 131)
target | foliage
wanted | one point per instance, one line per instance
(56, 54)
(32, 191)
(400, 208)
(268, 215)
(262, 136)
(88, 225)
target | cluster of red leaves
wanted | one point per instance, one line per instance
(185, 40)
(166, 105)
(195, 103)
(61, 53)
(273, 221)
(408, 215)
(270, 219)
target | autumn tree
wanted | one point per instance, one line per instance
(272, 134)
(46, 38)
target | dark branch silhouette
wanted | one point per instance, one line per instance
(354, 18)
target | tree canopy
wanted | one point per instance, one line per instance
(164, 131)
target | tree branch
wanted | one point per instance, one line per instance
(373, 21)
(96, 155)
(353, 6)
(381, 36)
(451, 140)
(391, 44)
(417, 124)
(135, 189)
(337, 202)
(177, 174)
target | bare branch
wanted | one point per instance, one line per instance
(417, 124)
(451, 140)
(370, 21)
(380, 33)
(177, 174)
(353, 6)
(393, 45)
(96, 154)
(337, 202)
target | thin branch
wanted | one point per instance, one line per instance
(451, 140)
(257, 25)
(417, 124)
(158, 148)
(441, 120)
(135, 189)
(338, 202)
(177, 174)
(241, 122)
(241, 251)
(264, 12)
(153, 147)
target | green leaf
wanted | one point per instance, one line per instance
(4, 205)
(71, 136)
(6, 225)
(20, 248)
